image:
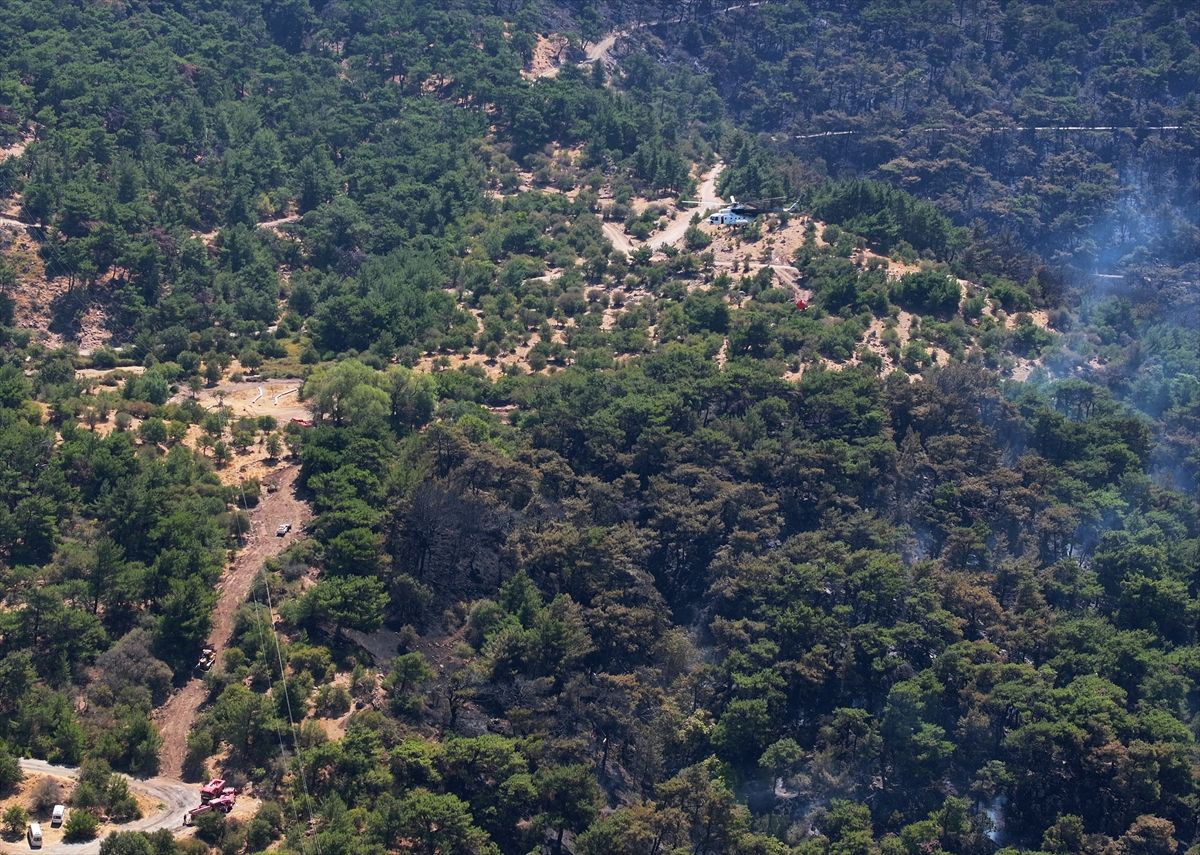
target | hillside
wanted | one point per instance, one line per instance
(386, 350)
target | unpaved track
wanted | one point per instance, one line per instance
(176, 799)
(708, 199)
(17, 224)
(602, 50)
(176, 716)
(620, 241)
(282, 221)
(678, 225)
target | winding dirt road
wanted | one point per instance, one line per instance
(175, 799)
(176, 716)
(706, 195)
(707, 198)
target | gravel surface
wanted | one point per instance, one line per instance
(175, 797)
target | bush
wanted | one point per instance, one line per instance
(81, 825)
(46, 795)
(104, 357)
(695, 239)
(119, 803)
(332, 701)
(209, 826)
(1010, 296)
(153, 431)
(14, 819)
(10, 772)
(127, 843)
(1028, 339)
(927, 291)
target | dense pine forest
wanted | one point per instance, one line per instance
(387, 431)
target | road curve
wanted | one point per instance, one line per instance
(175, 799)
(678, 224)
(707, 200)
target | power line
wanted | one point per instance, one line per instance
(282, 674)
(262, 644)
(288, 702)
(995, 129)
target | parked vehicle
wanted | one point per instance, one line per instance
(57, 817)
(223, 803)
(212, 789)
(283, 529)
(208, 658)
(35, 835)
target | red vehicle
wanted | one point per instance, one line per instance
(212, 789)
(223, 803)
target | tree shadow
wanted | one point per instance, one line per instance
(66, 313)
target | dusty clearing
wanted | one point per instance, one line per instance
(16, 149)
(708, 200)
(547, 57)
(278, 398)
(175, 717)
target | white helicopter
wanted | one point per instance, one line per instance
(744, 213)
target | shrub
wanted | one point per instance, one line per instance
(80, 826)
(332, 701)
(14, 819)
(927, 291)
(119, 803)
(46, 795)
(104, 357)
(209, 826)
(10, 771)
(695, 239)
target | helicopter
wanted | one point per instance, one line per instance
(743, 213)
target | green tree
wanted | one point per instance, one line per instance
(81, 825)
(15, 817)
(408, 673)
(434, 824)
(128, 843)
(355, 602)
(927, 291)
(568, 799)
(10, 770)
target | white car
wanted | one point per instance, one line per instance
(57, 817)
(35, 836)
(283, 529)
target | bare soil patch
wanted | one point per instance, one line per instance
(547, 59)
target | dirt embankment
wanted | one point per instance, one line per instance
(176, 717)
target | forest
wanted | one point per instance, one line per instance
(869, 528)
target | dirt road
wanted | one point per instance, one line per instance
(282, 221)
(706, 195)
(617, 237)
(176, 716)
(17, 224)
(175, 799)
(602, 50)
